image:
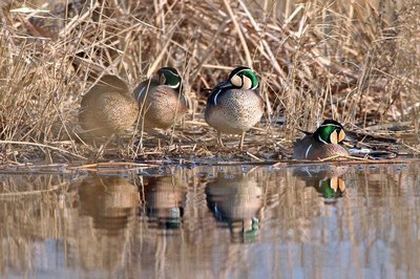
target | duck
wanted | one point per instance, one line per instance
(160, 99)
(108, 108)
(234, 105)
(323, 143)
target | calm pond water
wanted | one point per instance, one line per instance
(214, 222)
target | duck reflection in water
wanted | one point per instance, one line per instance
(331, 188)
(164, 202)
(110, 200)
(327, 180)
(237, 201)
(110, 204)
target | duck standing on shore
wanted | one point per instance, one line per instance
(234, 106)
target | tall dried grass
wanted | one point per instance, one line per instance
(357, 62)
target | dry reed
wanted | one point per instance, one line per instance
(358, 63)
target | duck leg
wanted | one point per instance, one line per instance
(219, 139)
(159, 144)
(241, 143)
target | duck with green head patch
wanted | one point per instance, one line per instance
(161, 100)
(323, 143)
(234, 106)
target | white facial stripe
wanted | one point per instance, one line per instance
(169, 71)
(175, 74)
(173, 86)
(307, 151)
(241, 71)
(321, 140)
(326, 125)
(216, 95)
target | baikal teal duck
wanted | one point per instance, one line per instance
(323, 143)
(107, 108)
(160, 99)
(235, 106)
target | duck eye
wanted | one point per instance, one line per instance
(247, 83)
(162, 79)
(334, 137)
(236, 80)
(341, 136)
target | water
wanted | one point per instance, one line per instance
(222, 222)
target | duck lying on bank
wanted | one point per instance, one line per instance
(107, 108)
(323, 143)
(161, 101)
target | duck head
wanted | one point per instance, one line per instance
(170, 77)
(330, 132)
(243, 78)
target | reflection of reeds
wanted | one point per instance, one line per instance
(357, 62)
(27, 218)
(372, 226)
(16, 185)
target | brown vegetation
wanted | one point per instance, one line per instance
(357, 63)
